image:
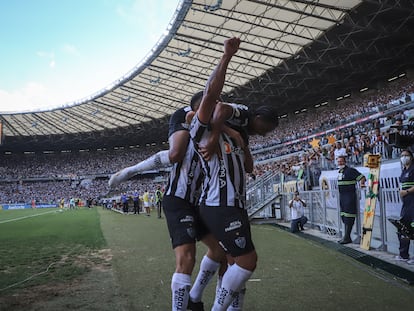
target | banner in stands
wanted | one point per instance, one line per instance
(23, 206)
(389, 187)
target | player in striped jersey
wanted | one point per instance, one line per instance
(184, 223)
(182, 217)
(222, 202)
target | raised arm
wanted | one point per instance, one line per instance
(216, 80)
(222, 112)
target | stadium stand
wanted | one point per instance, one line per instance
(287, 150)
(327, 72)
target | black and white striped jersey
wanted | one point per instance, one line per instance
(225, 176)
(240, 117)
(185, 176)
(177, 121)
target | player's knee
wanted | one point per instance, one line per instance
(217, 254)
(175, 155)
(185, 261)
(247, 261)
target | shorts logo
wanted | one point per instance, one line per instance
(191, 232)
(187, 219)
(233, 225)
(240, 242)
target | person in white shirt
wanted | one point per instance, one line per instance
(339, 151)
(297, 213)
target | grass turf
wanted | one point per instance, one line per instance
(292, 273)
(35, 241)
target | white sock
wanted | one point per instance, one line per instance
(180, 288)
(238, 301)
(218, 285)
(207, 269)
(234, 279)
(156, 161)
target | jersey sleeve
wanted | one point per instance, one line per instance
(177, 121)
(239, 120)
(240, 116)
(198, 130)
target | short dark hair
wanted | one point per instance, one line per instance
(341, 157)
(409, 152)
(195, 100)
(267, 113)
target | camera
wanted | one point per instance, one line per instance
(404, 138)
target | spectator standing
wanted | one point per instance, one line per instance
(158, 200)
(379, 143)
(407, 210)
(72, 203)
(62, 203)
(339, 151)
(135, 199)
(348, 177)
(124, 201)
(146, 200)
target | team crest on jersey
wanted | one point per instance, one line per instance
(240, 242)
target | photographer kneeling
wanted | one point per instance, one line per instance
(296, 206)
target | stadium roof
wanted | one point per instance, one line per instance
(294, 54)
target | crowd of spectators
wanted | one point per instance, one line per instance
(71, 164)
(51, 192)
(286, 150)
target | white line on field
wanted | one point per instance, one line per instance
(255, 280)
(15, 219)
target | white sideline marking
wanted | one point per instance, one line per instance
(255, 280)
(15, 219)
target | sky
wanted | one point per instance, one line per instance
(53, 52)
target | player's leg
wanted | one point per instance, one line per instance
(234, 281)
(294, 225)
(232, 228)
(348, 223)
(212, 260)
(180, 221)
(238, 301)
(181, 279)
(159, 209)
(156, 161)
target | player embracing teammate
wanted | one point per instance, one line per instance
(226, 158)
(219, 146)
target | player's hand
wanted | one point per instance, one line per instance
(189, 117)
(235, 135)
(207, 151)
(231, 46)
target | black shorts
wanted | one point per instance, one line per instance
(184, 223)
(231, 227)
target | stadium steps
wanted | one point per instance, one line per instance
(262, 205)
